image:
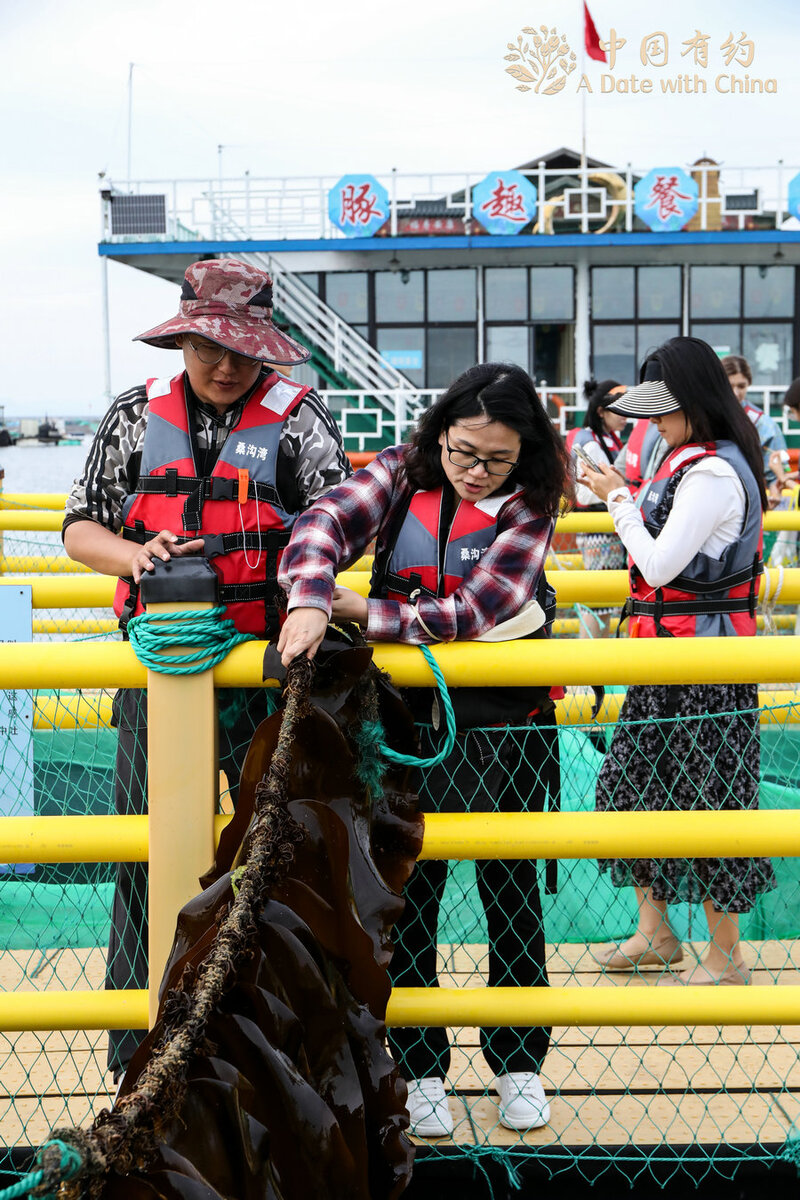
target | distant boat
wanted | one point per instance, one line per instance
(6, 437)
(47, 434)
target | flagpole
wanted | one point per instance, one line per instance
(583, 90)
(584, 218)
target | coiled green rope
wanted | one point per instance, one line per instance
(411, 760)
(203, 628)
(67, 1167)
(217, 637)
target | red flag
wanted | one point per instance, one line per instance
(592, 37)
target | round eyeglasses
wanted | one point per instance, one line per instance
(211, 354)
(493, 466)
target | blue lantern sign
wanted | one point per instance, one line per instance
(504, 202)
(358, 205)
(794, 197)
(666, 199)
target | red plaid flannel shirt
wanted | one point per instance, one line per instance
(337, 528)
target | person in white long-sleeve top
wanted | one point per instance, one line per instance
(694, 550)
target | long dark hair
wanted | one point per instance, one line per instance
(697, 380)
(499, 392)
(598, 395)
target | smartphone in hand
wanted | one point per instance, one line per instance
(589, 463)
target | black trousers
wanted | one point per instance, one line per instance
(127, 965)
(507, 769)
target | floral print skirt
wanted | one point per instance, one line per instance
(688, 746)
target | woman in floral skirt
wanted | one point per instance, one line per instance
(695, 557)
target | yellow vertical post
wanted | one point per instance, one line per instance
(182, 765)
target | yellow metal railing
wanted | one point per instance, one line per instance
(24, 520)
(557, 835)
(41, 564)
(565, 835)
(754, 1005)
(49, 507)
(87, 626)
(54, 501)
(458, 836)
(518, 664)
(495, 835)
(587, 587)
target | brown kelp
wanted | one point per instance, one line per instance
(266, 1074)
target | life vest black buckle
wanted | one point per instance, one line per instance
(213, 545)
(221, 488)
(658, 612)
(129, 605)
(758, 567)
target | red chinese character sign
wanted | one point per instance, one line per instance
(358, 205)
(504, 202)
(666, 199)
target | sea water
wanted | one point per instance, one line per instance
(42, 468)
(39, 469)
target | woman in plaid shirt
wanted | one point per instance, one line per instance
(462, 518)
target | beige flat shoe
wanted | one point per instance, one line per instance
(700, 976)
(662, 954)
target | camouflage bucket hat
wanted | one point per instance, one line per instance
(229, 303)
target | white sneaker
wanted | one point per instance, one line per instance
(428, 1111)
(523, 1104)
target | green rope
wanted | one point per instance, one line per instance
(369, 739)
(411, 760)
(205, 629)
(23, 1186)
(582, 611)
(68, 1168)
(789, 1151)
(477, 1154)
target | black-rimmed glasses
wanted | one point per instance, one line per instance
(493, 466)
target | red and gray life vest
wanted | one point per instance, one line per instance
(430, 554)
(638, 452)
(610, 445)
(236, 509)
(712, 597)
(430, 559)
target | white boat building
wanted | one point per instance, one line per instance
(399, 282)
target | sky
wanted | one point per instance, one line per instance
(309, 89)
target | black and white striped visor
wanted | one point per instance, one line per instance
(651, 398)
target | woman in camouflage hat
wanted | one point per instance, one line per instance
(166, 471)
